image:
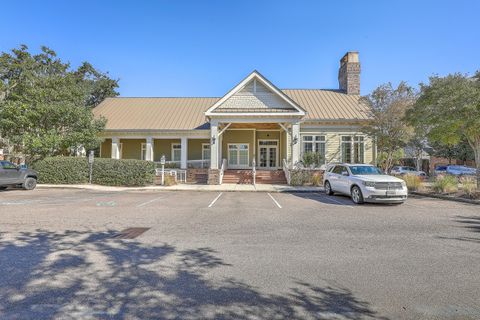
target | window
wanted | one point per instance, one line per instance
(358, 150)
(7, 165)
(176, 152)
(205, 151)
(339, 169)
(238, 155)
(314, 144)
(143, 153)
(346, 149)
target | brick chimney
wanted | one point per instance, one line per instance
(349, 73)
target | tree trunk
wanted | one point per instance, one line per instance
(477, 164)
(475, 144)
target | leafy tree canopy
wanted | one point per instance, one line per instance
(388, 108)
(45, 105)
(450, 106)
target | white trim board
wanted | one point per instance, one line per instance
(256, 76)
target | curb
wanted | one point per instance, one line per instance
(161, 189)
(437, 196)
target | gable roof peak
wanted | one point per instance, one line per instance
(283, 102)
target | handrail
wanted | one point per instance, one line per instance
(286, 170)
(222, 169)
(254, 171)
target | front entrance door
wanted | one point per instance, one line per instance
(238, 155)
(268, 154)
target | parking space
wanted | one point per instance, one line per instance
(235, 255)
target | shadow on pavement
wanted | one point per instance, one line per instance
(83, 275)
(471, 223)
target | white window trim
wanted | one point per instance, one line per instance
(238, 154)
(352, 146)
(120, 150)
(277, 146)
(209, 150)
(143, 150)
(363, 143)
(314, 142)
(173, 153)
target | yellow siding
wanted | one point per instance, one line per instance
(106, 149)
(163, 147)
(131, 148)
(195, 148)
(238, 136)
(333, 138)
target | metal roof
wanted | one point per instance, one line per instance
(154, 113)
(329, 104)
(189, 113)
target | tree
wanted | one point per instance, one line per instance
(45, 106)
(461, 151)
(450, 106)
(388, 108)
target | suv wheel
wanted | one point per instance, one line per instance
(328, 188)
(30, 183)
(3, 187)
(357, 196)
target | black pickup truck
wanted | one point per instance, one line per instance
(12, 176)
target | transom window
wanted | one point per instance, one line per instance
(314, 144)
(176, 152)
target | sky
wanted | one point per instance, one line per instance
(204, 48)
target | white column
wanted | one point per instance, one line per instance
(184, 152)
(214, 144)
(115, 148)
(295, 143)
(149, 149)
(220, 144)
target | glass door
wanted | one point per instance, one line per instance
(268, 154)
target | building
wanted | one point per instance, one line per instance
(254, 124)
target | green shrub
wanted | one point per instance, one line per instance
(62, 170)
(469, 186)
(312, 159)
(413, 181)
(109, 172)
(125, 172)
(445, 184)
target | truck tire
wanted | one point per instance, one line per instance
(30, 183)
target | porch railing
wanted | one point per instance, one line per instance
(191, 164)
(196, 164)
(179, 174)
(222, 170)
(286, 170)
(254, 171)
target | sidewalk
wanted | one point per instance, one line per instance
(226, 187)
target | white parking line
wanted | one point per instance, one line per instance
(149, 201)
(275, 201)
(215, 200)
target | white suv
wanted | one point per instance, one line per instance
(364, 183)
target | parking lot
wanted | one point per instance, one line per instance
(72, 254)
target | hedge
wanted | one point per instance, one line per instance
(62, 170)
(109, 172)
(124, 172)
